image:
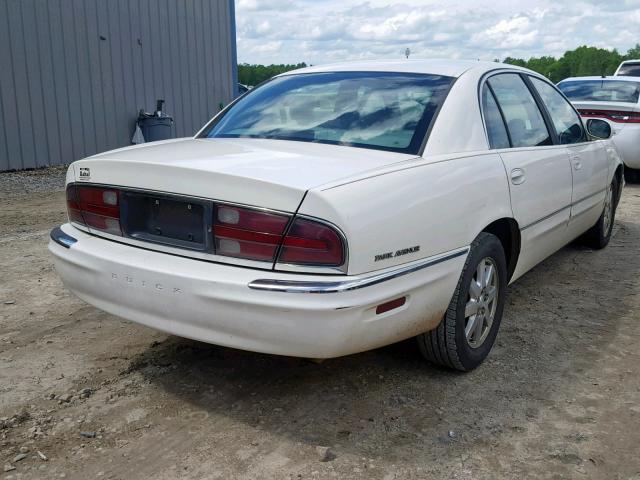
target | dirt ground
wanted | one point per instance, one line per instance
(97, 396)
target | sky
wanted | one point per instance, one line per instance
(325, 31)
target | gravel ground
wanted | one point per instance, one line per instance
(45, 180)
(84, 394)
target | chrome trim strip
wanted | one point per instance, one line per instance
(573, 204)
(589, 196)
(546, 217)
(61, 238)
(295, 286)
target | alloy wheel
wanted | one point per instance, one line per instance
(482, 302)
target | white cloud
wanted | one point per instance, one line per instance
(288, 31)
(505, 27)
(514, 32)
(268, 47)
(262, 5)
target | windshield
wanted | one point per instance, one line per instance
(601, 90)
(386, 111)
(629, 70)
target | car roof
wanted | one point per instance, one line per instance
(630, 61)
(616, 78)
(445, 67)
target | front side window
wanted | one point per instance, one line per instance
(496, 131)
(565, 119)
(386, 111)
(521, 113)
(603, 90)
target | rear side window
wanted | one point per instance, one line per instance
(524, 121)
(565, 119)
(604, 90)
(496, 131)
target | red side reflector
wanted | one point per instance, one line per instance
(385, 307)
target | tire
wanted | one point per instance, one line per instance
(448, 345)
(599, 235)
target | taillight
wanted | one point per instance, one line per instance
(95, 207)
(258, 235)
(312, 243)
(246, 233)
(617, 116)
(73, 208)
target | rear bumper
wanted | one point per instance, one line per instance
(214, 303)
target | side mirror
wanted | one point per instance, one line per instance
(598, 129)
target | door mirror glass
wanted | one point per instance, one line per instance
(598, 129)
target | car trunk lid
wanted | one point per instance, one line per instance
(617, 114)
(619, 106)
(266, 173)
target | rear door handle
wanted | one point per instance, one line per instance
(577, 164)
(517, 176)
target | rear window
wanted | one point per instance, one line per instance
(629, 70)
(601, 90)
(386, 111)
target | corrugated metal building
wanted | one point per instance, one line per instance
(75, 73)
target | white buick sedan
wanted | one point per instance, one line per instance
(339, 208)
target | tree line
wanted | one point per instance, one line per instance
(582, 61)
(252, 75)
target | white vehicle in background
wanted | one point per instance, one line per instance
(340, 208)
(617, 101)
(628, 68)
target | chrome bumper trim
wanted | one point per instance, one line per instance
(61, 238)
(295, 286)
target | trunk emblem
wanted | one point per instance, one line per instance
(130, 280)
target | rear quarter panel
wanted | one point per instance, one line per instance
(436, 204)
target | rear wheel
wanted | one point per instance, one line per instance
(466, 334)
(599, 235)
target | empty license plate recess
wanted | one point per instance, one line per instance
(166, 220)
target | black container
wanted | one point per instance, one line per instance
(155, 128)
